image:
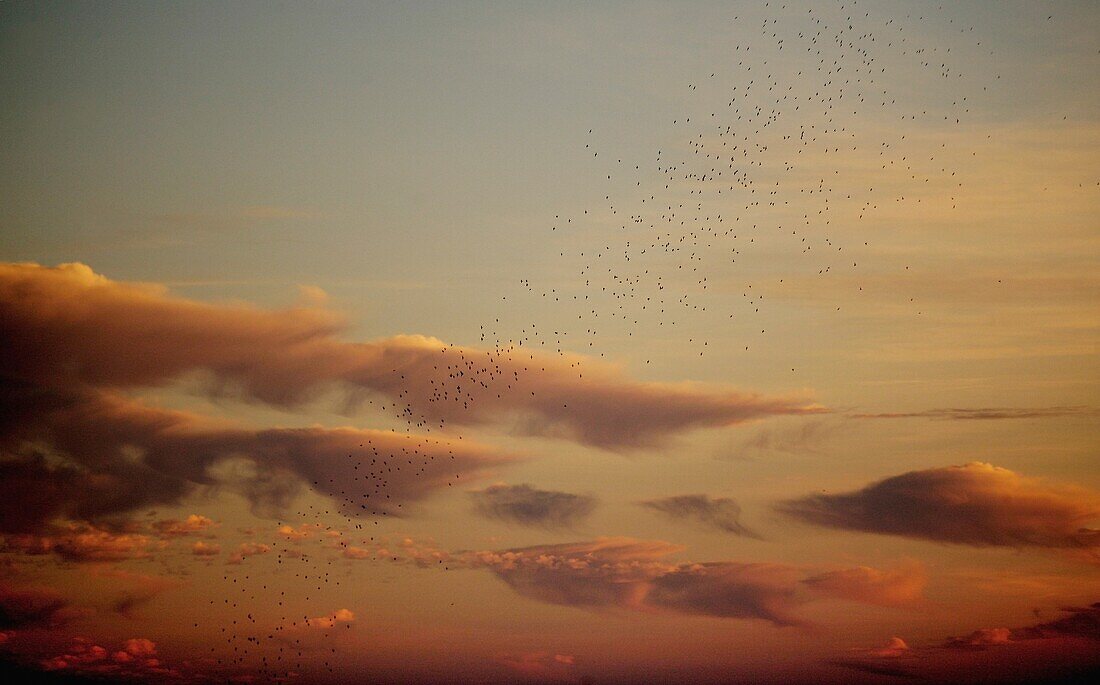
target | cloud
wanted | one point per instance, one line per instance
(1061, 650)
(720, 513)
(529, 506)
(541, 666)
(135, 660)
(67, 326)
(246, 550)
(630, 574)
(894, 587)
(976, 504)
(984, 637)
(894, 647)
(203, 549)
(338, 617)
(729, 590)
(804, 437)
(136, 589)
(80, 542)
(874, 668)
(1081, 622)
(192, 525)
(110, 456)
(29, 607)
(986, 413)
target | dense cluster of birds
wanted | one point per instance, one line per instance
(782, 154)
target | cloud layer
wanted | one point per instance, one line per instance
(529, 506)
(107, 456)
(720, 513)
(630, 574)
(975, 504)
(69, 327)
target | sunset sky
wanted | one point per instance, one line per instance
(550, 342)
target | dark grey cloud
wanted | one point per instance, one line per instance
(974, 504)
(29, 607)
(873, 667)
(719, 513)
(98, 457)
(529, 506)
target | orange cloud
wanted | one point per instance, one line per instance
(894, 587)
(203, 549)
(247, 549)
(340, 616)
(66, 326)
(78, 541)
(193, 524)
(624, 573)
(975, 504)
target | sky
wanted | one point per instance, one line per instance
(550, 342)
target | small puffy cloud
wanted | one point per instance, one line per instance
(894, 647)
(206, 549)
(529, 506)
(976, 504)
(302, 532)
(246, 550)
(338, 617)
(718, 513)
(140, 647)
(192, 525)
(353, 552)
(893, 587)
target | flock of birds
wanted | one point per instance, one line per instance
(783, 154)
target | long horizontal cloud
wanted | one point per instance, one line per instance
(720, 513)
(975, 504)
(68, 326)
(986, 413)
(531, 506)
(109, 456)
(624, 573)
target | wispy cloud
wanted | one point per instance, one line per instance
(986, 413)
(529, 506)
(718, 513)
